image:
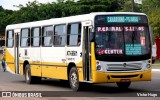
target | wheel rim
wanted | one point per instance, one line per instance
(27, 74)
(74, 80)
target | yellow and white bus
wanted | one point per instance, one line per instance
(98, 47)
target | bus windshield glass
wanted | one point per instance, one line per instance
(122, 36)
(118, 40)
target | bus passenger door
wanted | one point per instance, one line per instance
(16, 52)
(86, 54)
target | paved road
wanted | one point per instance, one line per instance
(109, 91)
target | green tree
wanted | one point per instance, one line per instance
(155, 21)
(34, 11)
(4, 14)
(127, 6)
(152, 9)
(149, 7)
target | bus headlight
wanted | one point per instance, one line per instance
(99, 67)
(148, 66)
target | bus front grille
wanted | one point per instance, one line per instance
(126, 67)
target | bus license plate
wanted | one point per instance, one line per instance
(125, 80)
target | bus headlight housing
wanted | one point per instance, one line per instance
(99, 67)
(148, 66)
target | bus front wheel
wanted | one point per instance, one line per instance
(29, 78)
(123, 85)
(74, 79)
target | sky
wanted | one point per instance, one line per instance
(8, 4)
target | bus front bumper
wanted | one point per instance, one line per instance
(102, 77)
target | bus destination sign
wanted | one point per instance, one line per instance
(123, 19)
(120, 19)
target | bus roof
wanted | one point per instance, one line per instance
(63, 20)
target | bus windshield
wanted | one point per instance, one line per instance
(122, 40)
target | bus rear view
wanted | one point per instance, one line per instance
(122, 49)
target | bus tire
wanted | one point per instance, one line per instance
(29, 78)
(123, 85)
(74, 79)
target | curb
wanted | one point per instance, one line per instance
(156, 70)
(155, 64)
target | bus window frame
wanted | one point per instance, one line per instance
(60, 35)
(9, 38)
(25, 37)
(146, 56)
(79, 34)
(32, 38)
(42, 37)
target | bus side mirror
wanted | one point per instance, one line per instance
(92, 36)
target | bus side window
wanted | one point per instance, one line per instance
(79, 41)
(10, 39)
(25, 37)
(47, 35)
(60, 35)
(28, 40)
(74, 34)
(35, 39)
